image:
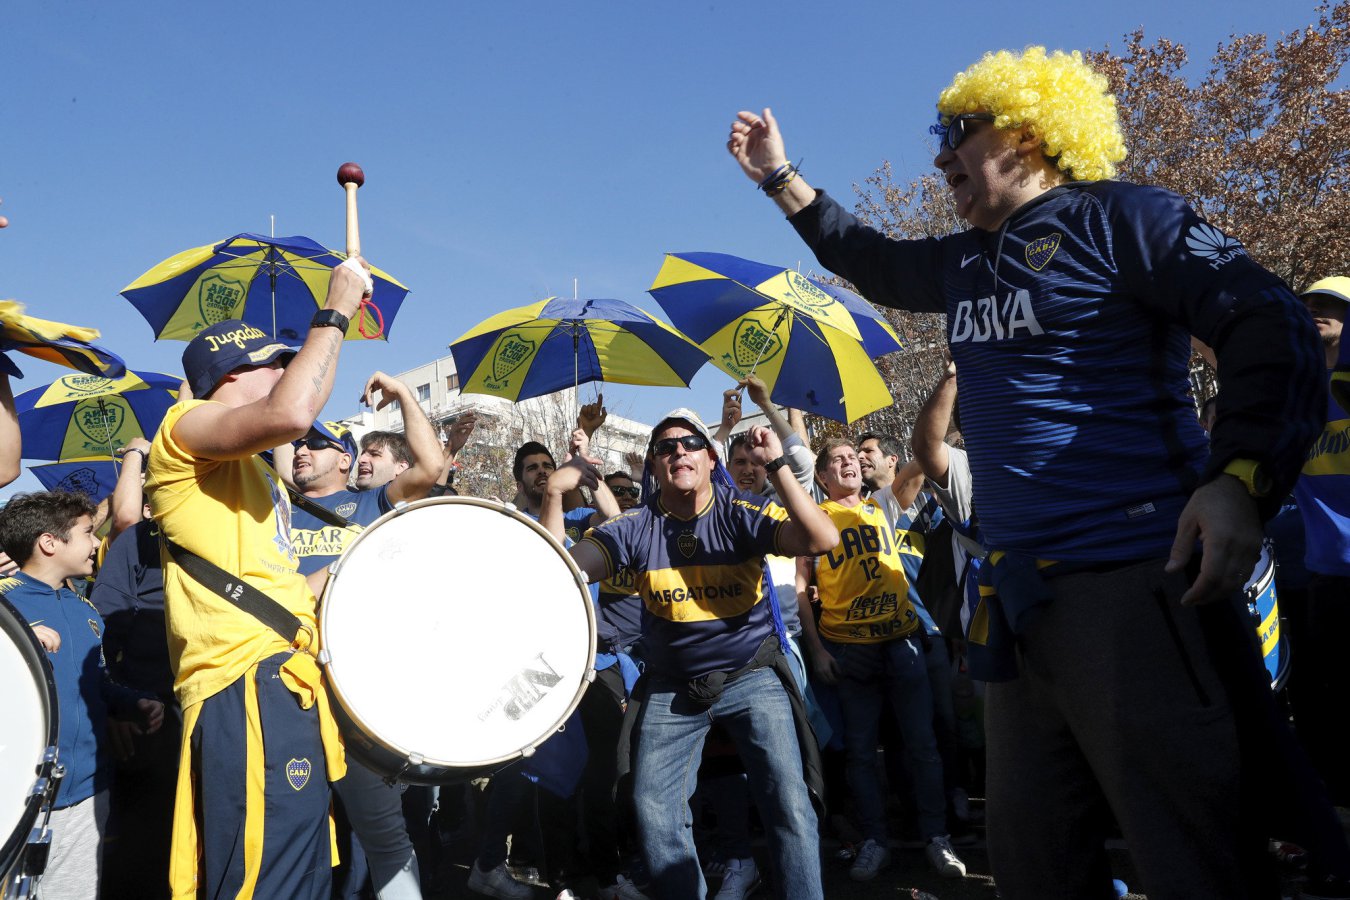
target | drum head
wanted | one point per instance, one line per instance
(458, 632)
(27, 709)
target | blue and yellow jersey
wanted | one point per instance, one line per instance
(1071, 328)
(864, 591)
(233, 513)
(1323, 493)
(317, 543)
(621, 607)
(700, 579)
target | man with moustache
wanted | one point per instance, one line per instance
(320, 469)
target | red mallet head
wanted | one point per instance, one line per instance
(351, 173)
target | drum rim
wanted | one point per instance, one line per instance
(405, 753)
(36, 659)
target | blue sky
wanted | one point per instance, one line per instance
(509, 148)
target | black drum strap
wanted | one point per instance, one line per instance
(322, 513)
(241, 594)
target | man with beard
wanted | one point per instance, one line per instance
(911, 513)
(320, 470)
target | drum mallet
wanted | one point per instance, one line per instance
(351, 177)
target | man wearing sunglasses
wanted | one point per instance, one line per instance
(711, 642)
(1070, 303)
(321, 467)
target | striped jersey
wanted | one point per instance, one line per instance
(1070, 327)
(701, 580)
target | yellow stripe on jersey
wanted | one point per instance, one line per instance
(255, 787)
(701, 593)
(1330, 453)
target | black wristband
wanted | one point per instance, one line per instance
(775, 465)
(330, 318)
(145, 457)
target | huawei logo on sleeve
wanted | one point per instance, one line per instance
(1209, 243)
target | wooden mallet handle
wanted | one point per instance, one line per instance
(351, 177)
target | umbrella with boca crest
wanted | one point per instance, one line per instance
(272, 283)
(93, 476)
(811, 343)
(555, 343)
(87, 415)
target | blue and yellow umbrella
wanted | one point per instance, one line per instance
(275, 284)
(555, 343)
(94, 476)
(812, 344)
(55, 342)
(85, 415)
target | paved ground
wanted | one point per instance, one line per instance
(908, 870)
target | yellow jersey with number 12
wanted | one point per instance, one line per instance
(864, 594)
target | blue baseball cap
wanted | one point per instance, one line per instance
(225, 346)
(338, 434)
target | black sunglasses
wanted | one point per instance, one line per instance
(955, 131)
(692, 443)
(633, 491)
(315, 442)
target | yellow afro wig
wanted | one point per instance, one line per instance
(1057, 95)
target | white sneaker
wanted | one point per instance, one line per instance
(741, 878)
(871, 858)
(943, 859)
(623, 889)
(497, 883)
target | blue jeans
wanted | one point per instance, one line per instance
(755, 711)
(897, 671)
(375, 811)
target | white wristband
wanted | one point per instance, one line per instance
(359, 270)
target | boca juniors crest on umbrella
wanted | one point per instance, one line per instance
(555, 343)
(87, 415)
(275, 284)
(93, 476)
(811, 343)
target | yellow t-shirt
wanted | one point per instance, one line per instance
(864, 594)
(234, 513)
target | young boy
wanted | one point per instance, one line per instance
(51, 536)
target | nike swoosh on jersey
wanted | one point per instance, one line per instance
(967, 260)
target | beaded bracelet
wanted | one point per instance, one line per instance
(776, 183)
